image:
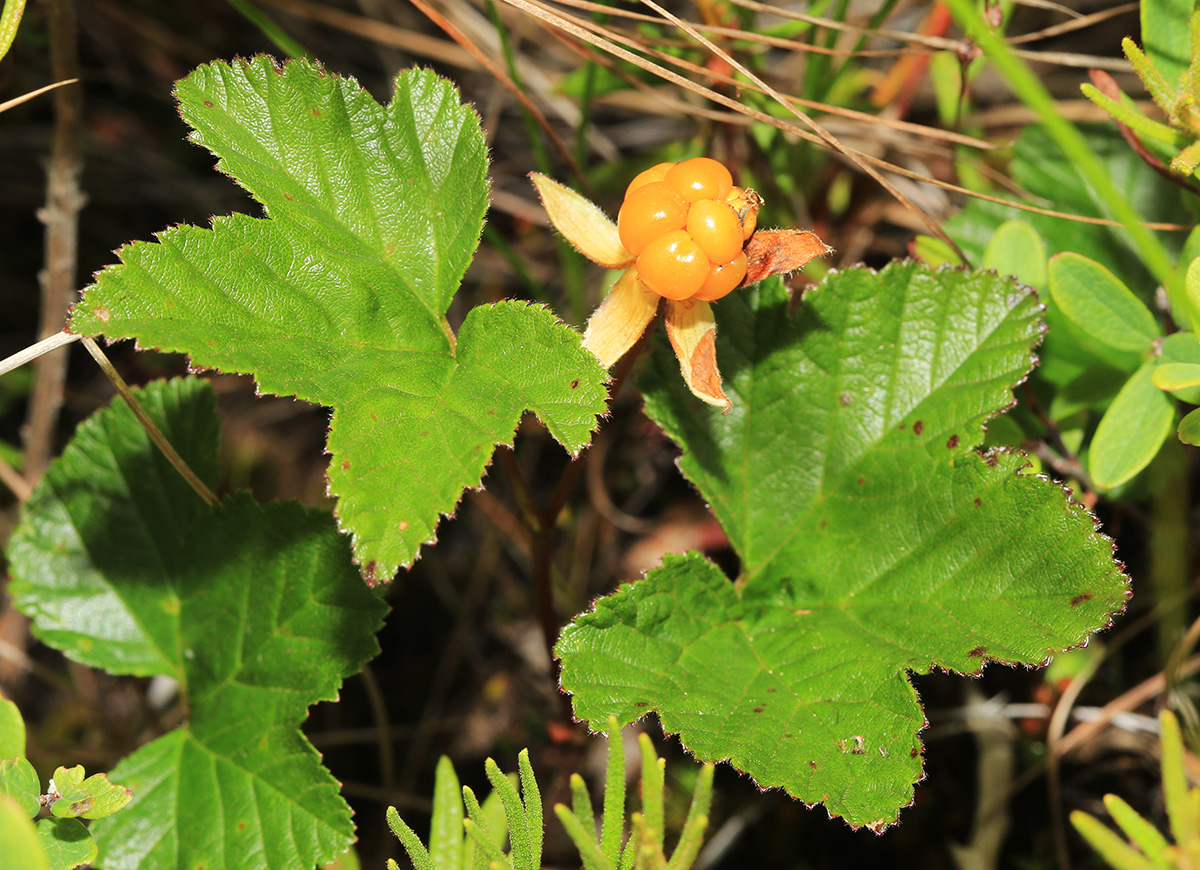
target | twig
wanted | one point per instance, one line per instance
(152, 430)
(61, 217)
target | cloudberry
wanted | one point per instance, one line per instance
(673, 265)
(648, 212)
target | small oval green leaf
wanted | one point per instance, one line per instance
(12, 730)
(1016, 249)
(1189, 428)
(1176, 376)
(19, 781)
(1133, 428)
(19, 838)
(1095, 300)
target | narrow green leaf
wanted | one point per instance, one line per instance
(532, 797)
(692, 836)
(1099, 304)
(483, 840)
(652, 789)
(873, 539)
(1119, 854)
(66, 843)
(518, 823)
(1174, 780)
(1176, 376)
(581, 804)
(1133, 428)
(1140, 832)
(1132, 118)
(19, 782)
(445, 829)
(12, 730)
(339, 296)
(256, 611)
(612, 822)
(1017, 250)
(408, 838)
(584, 838)
(21, 845)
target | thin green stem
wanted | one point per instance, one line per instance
(152, 430)
(1030, 90)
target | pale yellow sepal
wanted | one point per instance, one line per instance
(582, 224)
(621, 318)
(693, 333)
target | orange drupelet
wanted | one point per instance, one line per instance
(686, 224)
(648, 212)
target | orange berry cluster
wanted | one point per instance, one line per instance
(681, 221)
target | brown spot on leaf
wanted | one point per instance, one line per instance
(777, 252)
(918, 427)
(978, 502)
(844, 398)
(977, 652)
(1079, 599)
(861, 481)
(758, 709)
(953, 442)
(914, 752)
(369, 572)
(813, 765)
(640, 704)
(80, 807)
(402, 525)
(208, 103)
(316, 113)
(288, 197)
(771, 690)
(103, 314)
(990, 460)
(574, 383)
(345, 465)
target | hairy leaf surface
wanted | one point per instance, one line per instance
(339, 295)
(874, 539)
(255, 611)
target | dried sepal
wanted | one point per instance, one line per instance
(693, 332)
(581, 223)
(777, 252)
(621, 318)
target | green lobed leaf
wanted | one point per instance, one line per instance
(1098, 303)
(255, 611)
(66, 843)
(19, 781)
(19, 844)
(12, 730)
(1131, 431)
(873, 539)
(94, 798)
(68, 778)
(339, 295)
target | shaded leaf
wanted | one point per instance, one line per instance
(1133, 428)
(255, 611)
(66, 843)
(873, 539)
(339, 296)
